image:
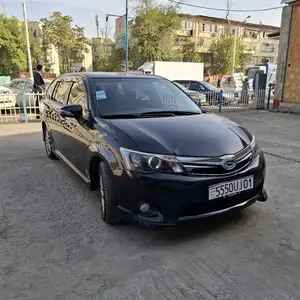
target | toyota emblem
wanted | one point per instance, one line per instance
(229, 163)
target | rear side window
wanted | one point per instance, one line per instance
(62, 91)
(50, 89)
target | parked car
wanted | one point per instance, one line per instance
(198, 97)
(7, 98)
(20, 85)
(211, 92)
(155, 156)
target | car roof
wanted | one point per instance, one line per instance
(93, 75)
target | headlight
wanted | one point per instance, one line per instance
(139, 161)
(254, 146)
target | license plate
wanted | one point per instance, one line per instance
(230, 187)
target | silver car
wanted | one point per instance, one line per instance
(7, 98)
(20, 85)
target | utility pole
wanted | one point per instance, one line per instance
(236, 30)
(4, 10)
(126, 35)
(27, 41)
(234, 48)
(97, 25)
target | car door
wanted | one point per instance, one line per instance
(75, 130)
(58, 123)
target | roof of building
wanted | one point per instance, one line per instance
(288, 1)
(234, 22)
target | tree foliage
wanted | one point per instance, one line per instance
(222, 54)
(69, 40)
(152, 36)
(189, 51)
(13, 46)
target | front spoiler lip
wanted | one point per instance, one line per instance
(149, 221)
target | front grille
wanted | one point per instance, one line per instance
(213, 166)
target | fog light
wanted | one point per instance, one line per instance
(144, 207)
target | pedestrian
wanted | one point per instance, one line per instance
(82, 69)
(245, 89)
(219, 82)
(38, 86)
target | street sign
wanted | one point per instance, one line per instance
(121, 42)
(120, 33)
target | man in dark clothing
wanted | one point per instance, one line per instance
(38, 86)
(39, 83)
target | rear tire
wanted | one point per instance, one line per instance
(108, 201)
(49, 144)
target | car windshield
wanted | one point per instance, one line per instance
(209, 86)
(125, 96)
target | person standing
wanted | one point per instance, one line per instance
(245, 89)
(38, 86)
(219, 82)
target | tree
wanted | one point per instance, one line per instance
(152, 36)
(13, 46)
(69, 40)
(222, 54)
(189, 51)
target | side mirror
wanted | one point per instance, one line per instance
(71, 111)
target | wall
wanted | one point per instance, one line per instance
(292, 79)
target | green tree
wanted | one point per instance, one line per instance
(222, 54)
(152, 36)
(69, 40)
(189, 51)
(13, 52)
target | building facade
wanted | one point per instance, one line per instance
(287, 90)
(204, 30)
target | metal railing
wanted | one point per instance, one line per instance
(16, 108)
(224, 100)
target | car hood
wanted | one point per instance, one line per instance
(197, 135)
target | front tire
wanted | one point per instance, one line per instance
(108, 201)
(49, 144)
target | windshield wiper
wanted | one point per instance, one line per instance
(170, 113)
(121, 116)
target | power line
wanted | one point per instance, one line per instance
(224, 9)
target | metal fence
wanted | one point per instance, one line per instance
(224, 101)
(25, 107)
(16, 108)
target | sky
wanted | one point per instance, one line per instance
(84, 11)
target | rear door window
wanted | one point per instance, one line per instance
(62, 91)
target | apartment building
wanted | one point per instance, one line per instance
(203, 30)
(53, 57)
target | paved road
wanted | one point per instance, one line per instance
(53, 244)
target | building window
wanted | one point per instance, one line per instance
(209, 28)
(268, 48)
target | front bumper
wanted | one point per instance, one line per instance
(174, 198)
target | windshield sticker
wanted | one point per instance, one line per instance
(100, 95)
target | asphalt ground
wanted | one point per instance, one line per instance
(53, 244)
